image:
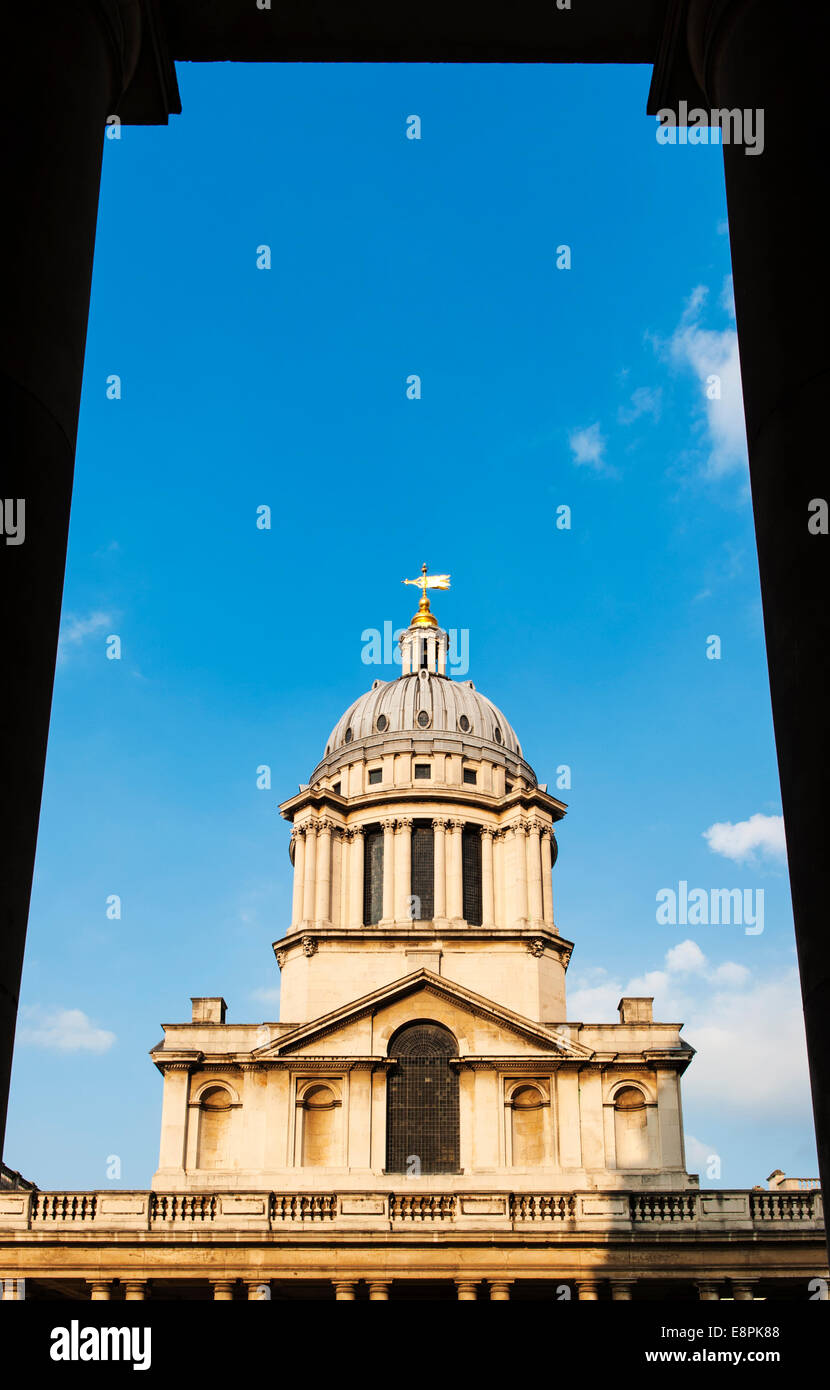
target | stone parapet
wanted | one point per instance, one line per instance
(636, 1214)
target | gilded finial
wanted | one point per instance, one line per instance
(424, 618)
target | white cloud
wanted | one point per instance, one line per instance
(67, 1030)
(748, 1031)
(697, 1154)
(710, 353)
(743, 840)
(684, 958)
(75, 631)
(644, 401)
(730, 973)
(751, 1054)
(588, 448)
(727, 297)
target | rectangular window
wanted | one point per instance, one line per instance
(508, 786)
(372, 876)
(422, 872)
(375, 776)
(470, 776)
(423, 772)
(471, 867)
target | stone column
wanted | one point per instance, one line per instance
(135, 1290)
(488, 890)
(223, 1290)
(499, 851)
(455, 882)
(707, 1291)
(621, 1289)
(439, 869)
(344, 1290)
(259, 1290)
(517, 880)
(547, 877)
(403, 869)
(534, 871)
(298, 837)
(310, 880)
(743, 1289)
(379, 1290)
(467, 1290)
(587, 1290)
(388, 870)
(356, 877)
(339, 872)
(322, 900)
(100, 1289)
(500, 1290)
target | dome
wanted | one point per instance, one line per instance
(427, 704)
(424, 706)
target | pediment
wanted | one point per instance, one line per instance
(440, 995)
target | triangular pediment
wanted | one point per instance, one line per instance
(423, 982)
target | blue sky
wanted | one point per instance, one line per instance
(541, 388)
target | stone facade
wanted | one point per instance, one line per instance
(423, 1112)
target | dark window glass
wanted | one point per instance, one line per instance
(470, 776)
(422, 1102)
(424, 652)
(423, 771)
(375, 776)
(422, 871)
(336, 788)
(372, 876)
(471, 865)
(508, 786)
(423, 719)
(383, 723)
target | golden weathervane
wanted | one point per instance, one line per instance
(424, 618)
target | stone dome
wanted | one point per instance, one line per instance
(424, 703)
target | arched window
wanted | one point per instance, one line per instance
(215, 1115)
(471, 871)
(631, 1128)
(422, 1102)
(320, 1127)
(372, 875)
(528, 1127)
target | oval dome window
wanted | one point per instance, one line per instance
(464, 724)
(383, 724)
(423, 718)
(497, 734)
(347, 737)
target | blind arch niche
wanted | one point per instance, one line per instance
(422, 1117)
